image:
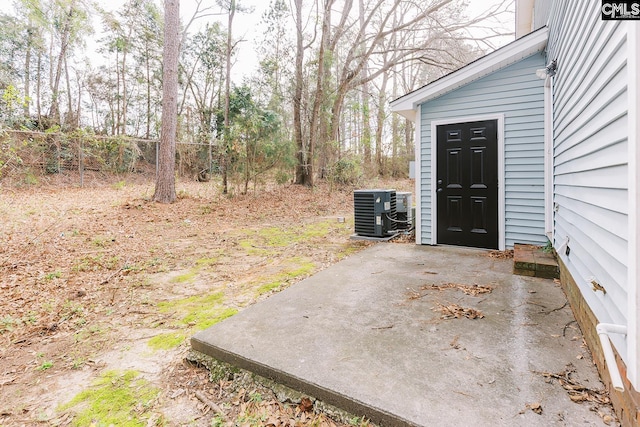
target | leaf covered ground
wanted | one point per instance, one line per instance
(101, 289)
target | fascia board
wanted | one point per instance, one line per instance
(503, 57)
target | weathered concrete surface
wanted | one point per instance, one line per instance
(363, 336)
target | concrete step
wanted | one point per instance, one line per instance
(533, 261)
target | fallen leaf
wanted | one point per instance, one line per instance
(454, 342)
(455, 311)
(474, 290)
(578, 397)
(501, 254)
(535, 407)
(306, 404)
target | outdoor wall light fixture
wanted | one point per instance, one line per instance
(548, 71)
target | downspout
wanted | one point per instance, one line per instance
(548, 157)
(603, 330)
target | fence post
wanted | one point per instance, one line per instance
(210, 138)
(58, 154)
(81, 162)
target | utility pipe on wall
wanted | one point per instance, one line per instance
(603, 330)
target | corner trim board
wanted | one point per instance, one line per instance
(633, 269)
(417, 148)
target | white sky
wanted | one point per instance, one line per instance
(246, 26)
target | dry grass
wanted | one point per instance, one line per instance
(83, 273)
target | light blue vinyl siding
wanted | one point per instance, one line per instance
(590, 153)
(516, 92)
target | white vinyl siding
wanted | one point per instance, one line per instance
(590, 154)
(541, 13)
(517, 93)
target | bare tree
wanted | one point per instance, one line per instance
(366, 130)
(165, 191)
(231, 7)
(70, 23)
(227, 97)
(302, 155)
(381, 35)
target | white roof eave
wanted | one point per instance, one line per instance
(494, 61)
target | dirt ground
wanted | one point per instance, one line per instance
(102, 288)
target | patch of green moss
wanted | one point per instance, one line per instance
(202, 319)
(116, 398)
(186, 277)
(302, 268)
(194, 271)
(195, 314)
(188, 305)
(167, 341)
(318, 229)
(203, 262)
(262, 241)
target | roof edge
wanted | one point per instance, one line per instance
(507, 55)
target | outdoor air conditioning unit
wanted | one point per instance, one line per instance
(375, 212)
(404, 207)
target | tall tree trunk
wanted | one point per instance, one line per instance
(125, 100)
(118, 98)
(395, 118)
(165, 191)
(408, 136)
(54, 112)
(27, 70)
(301, 154)
(315, 128)
(227, 98)
(333, 130)
(79, 101)
(148, 71)
(382, 101)
(69, 119)
(318, 130)
(395, 128)
(366, 123)
(39, 88)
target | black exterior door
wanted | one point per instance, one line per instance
(467, 184)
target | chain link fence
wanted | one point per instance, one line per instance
(43, 153)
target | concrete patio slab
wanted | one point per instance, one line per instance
(368, 336)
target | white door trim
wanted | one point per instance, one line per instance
(418, 174)
(501, 191)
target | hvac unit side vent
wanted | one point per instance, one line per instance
(375, 212)
(404, 211)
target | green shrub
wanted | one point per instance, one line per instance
(347, 170)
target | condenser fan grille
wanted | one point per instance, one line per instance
(375, 212)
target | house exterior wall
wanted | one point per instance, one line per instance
(517, 93)
(590, 155)
(541, 13)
